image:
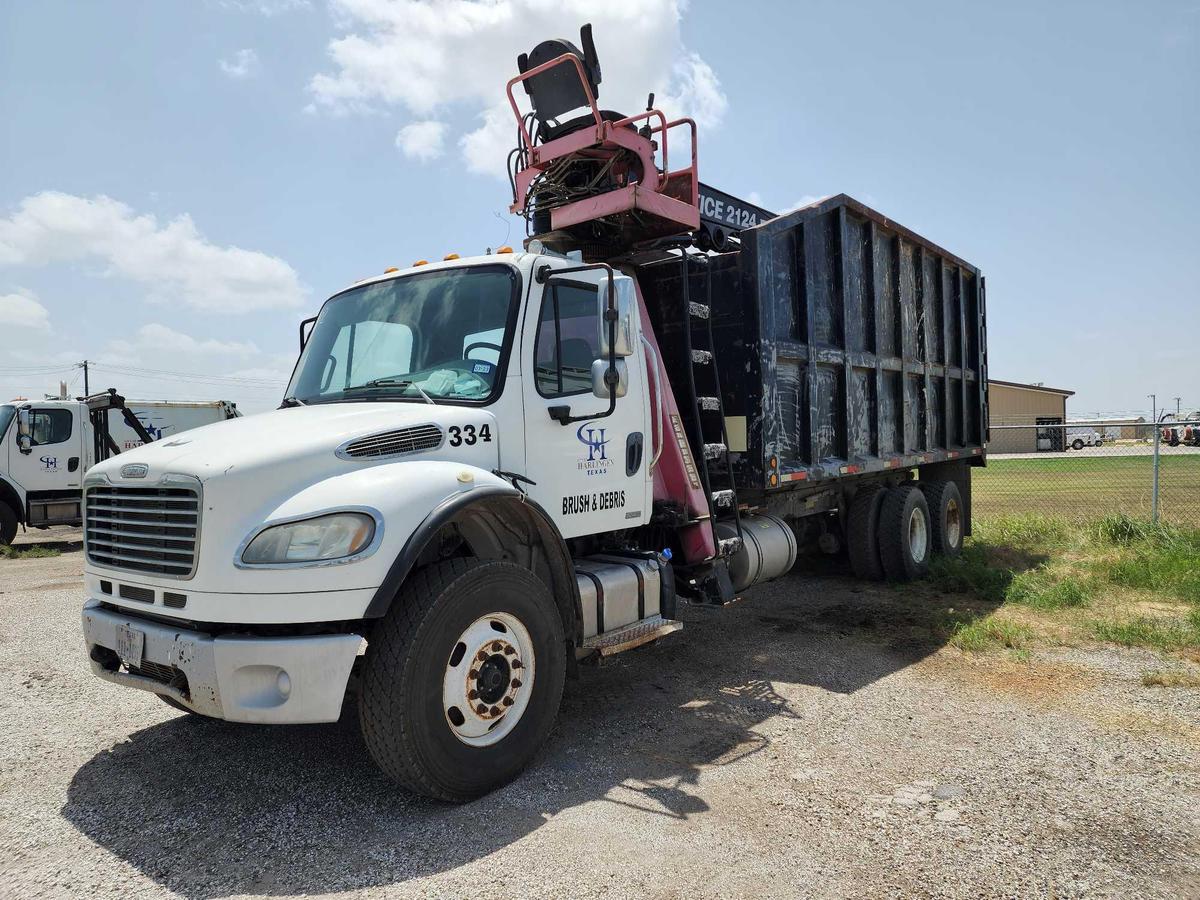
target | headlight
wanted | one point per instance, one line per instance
(311, 540)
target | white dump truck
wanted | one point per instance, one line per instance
(47, 446)
(487, 470)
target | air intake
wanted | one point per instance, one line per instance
(415, 439)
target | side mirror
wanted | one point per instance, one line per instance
(626, 309)
(600, 386)
(306, 330)
(24, 431)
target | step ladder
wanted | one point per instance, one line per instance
(704, 409)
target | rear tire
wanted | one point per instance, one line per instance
(904, 542)
(8, 524)
(946, 517)
(1077, 444)
(469, 627)
(862, 533)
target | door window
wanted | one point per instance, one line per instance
(50, 426)
(568, 340)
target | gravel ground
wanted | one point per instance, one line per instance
(768, 750)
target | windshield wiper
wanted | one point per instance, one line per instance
(291, 401)
(394, 382)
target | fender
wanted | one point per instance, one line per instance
(453, 507)
(12, 496)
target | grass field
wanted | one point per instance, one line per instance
(1032, 580)
(1087, 488)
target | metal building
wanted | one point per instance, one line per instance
(1014, 403)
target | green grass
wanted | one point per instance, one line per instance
(990, 632)
(1142, 632)
(31, 552)
(1081, 488)
(1025, 580)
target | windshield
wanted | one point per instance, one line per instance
(439, 333)
(6, 415)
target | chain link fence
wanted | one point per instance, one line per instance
(1086, 470)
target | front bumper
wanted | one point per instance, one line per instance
(275, 680)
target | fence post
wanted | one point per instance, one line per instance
(1154, 493)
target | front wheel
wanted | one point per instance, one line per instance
(8, 524)
(463, 678)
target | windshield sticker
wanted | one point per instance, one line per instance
(481, 368)
(597, 461)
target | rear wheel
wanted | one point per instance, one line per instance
(947, 521)
(1077, 444)
(862, 533)
(463, 678)
(904, 534)
(8, 524)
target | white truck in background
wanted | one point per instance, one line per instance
(47, 446)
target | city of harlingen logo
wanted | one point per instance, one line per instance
(135, 470)
(593, 438)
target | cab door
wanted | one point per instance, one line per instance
(53, 463)
(591, 472)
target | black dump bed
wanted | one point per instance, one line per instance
(845, 344)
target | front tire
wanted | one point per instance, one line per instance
(8, 524)
(904, 533)
(463, 678)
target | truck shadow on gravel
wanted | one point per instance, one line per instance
(209, 809)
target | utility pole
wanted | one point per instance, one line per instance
(1177, 399)
(1154, 483)
(84, 366)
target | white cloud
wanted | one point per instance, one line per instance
(243, 64)
(423, 57)
(163, 339)
(806, 200)
(22, 310)
(695, 91)
(176, 263)
(422, 141)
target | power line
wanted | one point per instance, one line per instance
(35, 370)
(234, 380)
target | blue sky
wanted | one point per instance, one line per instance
(184, 181)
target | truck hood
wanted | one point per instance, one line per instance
(303, 438)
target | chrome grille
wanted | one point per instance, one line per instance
(153, 530)
(393, 443)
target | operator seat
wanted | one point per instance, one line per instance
(559, 90)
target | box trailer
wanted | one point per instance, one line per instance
(848, 344)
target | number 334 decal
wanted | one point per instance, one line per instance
(467, 435)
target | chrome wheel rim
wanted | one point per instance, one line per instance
(918, 535)
(953, 527)
(488, 679)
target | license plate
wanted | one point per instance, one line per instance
(130, 645)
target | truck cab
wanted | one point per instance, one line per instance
(44, 453)
(46, 447)
(257, 569)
